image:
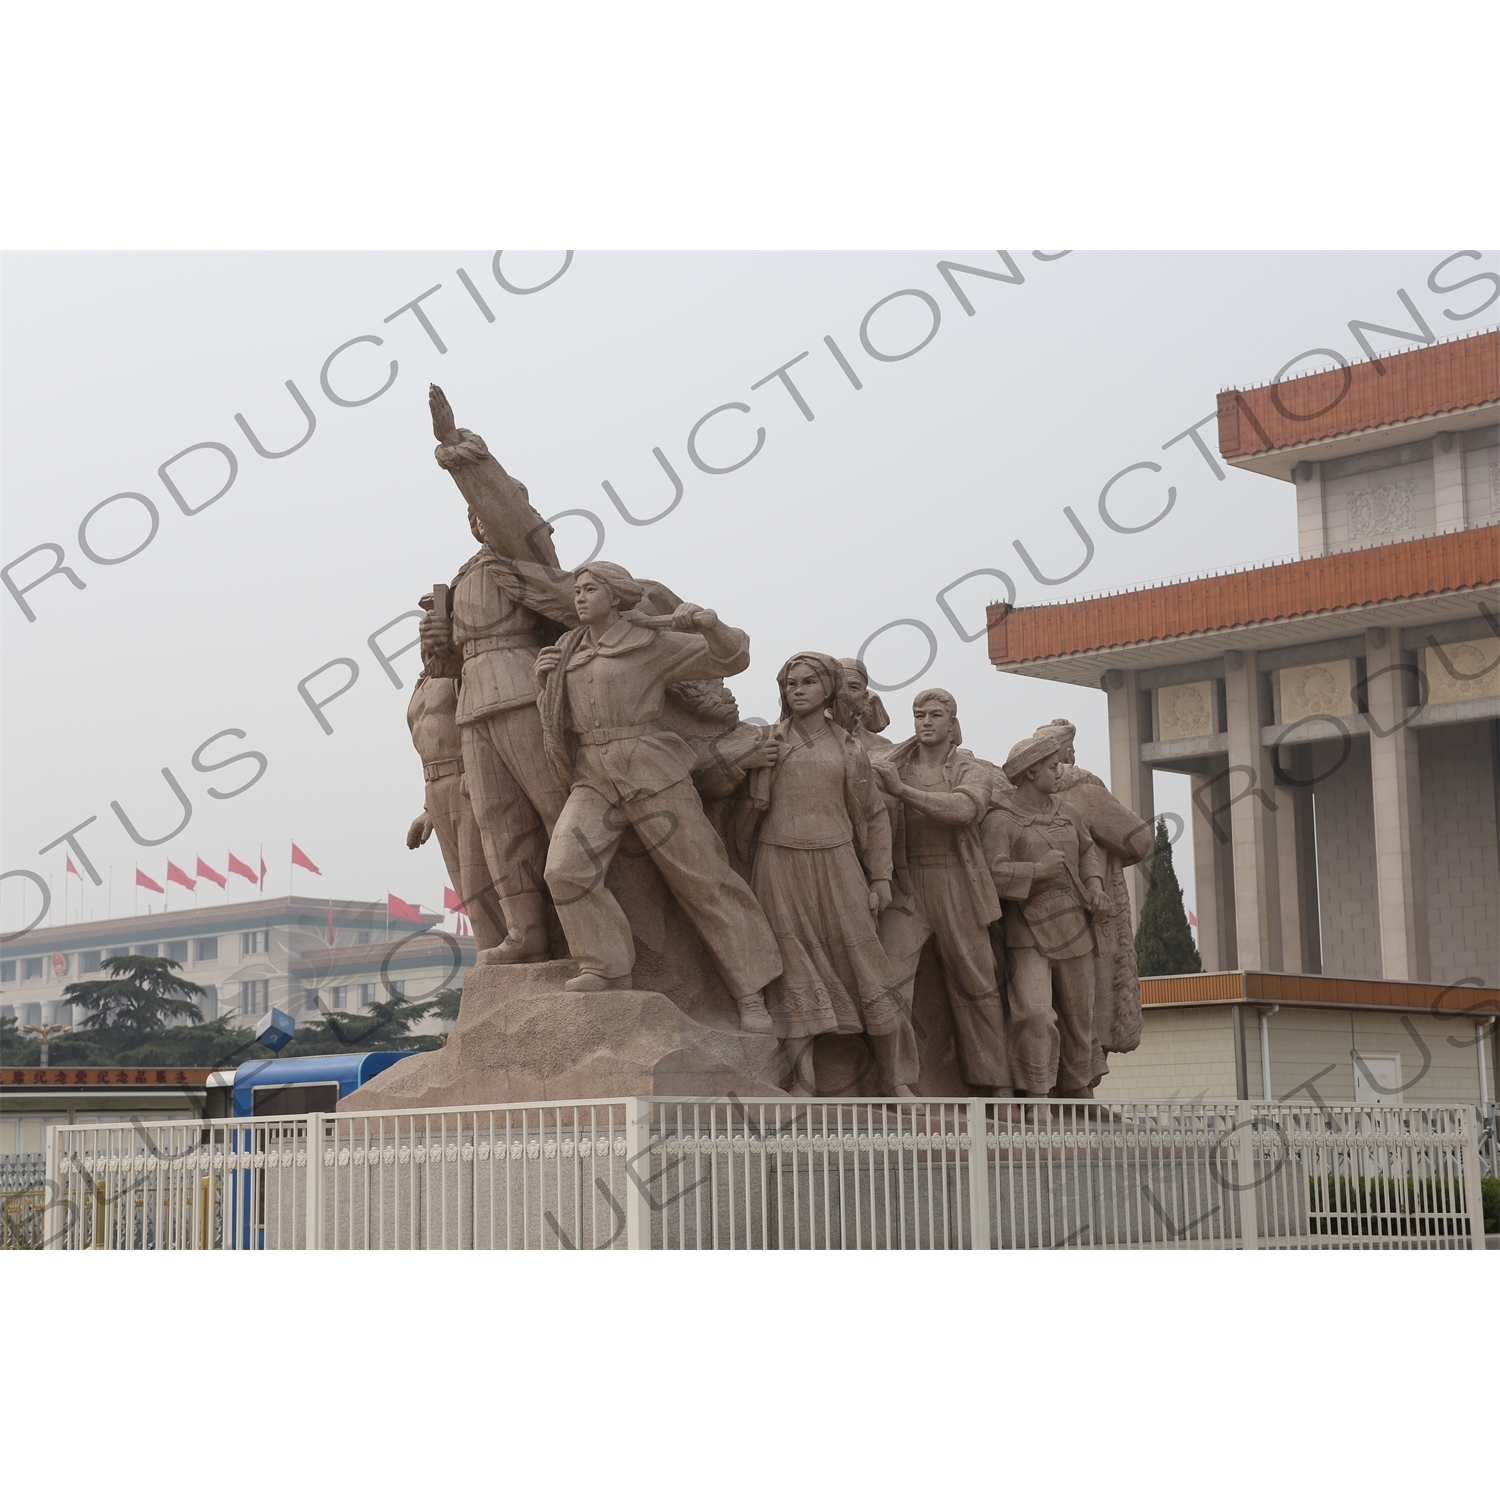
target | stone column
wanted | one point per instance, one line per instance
(1130, 780)
(1391, 689)
(1212, 872)
(1312, 532)
(1448, 480)
(1252, 813)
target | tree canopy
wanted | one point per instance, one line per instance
(385, 1027)
(141, 994)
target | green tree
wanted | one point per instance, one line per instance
(141, 995)
(385, 1027)
(1164, 941)
(16, 1050)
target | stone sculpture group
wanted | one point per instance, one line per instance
(668, 899)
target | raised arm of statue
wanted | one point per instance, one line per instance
(511, 526)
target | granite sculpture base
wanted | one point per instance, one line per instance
(521, 1037)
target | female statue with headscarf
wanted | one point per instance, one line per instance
(821, 870)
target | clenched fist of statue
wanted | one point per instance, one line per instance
(690, 617)
(436, 634)
(880, 896)
(419, 832)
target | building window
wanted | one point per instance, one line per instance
(88, 961)
(33, 968)
(340, 993)
(310, 1002)
(117, 952)
(178, 952)
(252, 942)
(255, 996)
(366, 996)
(146, 950)
(209, 1002)
(397, 987)
(362, 938)
(8, 971)
(208, 950)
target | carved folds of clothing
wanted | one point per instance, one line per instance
(942, 891)
(1124, 840)
(600, 713)
(438, 740)
(1049, 941)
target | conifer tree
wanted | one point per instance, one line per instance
(1163, 941)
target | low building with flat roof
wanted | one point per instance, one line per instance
(248, 955)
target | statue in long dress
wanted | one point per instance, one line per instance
(1124, 840)
(942, 887)
(821, 870)
(603, 691)
(1051, 878)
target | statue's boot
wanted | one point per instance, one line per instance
(754, 1017)
(525, 932)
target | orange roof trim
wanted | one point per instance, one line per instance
(1394, 388)
(1343, 580)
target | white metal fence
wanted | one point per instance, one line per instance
(936, 1174)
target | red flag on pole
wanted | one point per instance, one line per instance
(451, 901)
(404, 910)
(262, 872)
(180, 877)
(1192, 919)
(142, 879)
(207, 872)
(299, 858)
(72, 868)
(239, 867)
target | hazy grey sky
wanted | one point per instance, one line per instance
(115, 363)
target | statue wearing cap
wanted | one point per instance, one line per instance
(508, 601)
(1050, 876)
(1124, 840)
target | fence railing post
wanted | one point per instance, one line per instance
(1245, 1182)
(52, 1207)
(979, 1179)
(1473, 1190)
(314, 1236)
(637, 1174)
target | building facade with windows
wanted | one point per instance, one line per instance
(249, 956)
(1336, 714)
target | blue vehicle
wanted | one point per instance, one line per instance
(279, 1087)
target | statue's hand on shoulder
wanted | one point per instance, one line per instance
(888, 777)
(546, 663)
(688, 617)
